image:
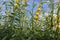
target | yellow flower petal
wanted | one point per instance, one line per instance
(38, 12)
(36, 17)
(39, 8)
(17, 0)
(56, 25)
(36, 21)
(25, 0)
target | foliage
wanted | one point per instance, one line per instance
(17, 25)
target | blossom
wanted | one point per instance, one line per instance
(38, 12)
(36, 17)
(17, 0)
(39, 8)
(25, 0)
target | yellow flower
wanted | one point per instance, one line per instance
(17, 0)
(39, 8)
(36, 21)
(56, 25)
(38, 12)
(36, 17)
(25, 0)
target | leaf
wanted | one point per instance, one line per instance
(34, 5)
(4, 2)
(4, 38)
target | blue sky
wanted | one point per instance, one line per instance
(30, 3)
(45, 6)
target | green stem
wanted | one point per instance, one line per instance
(52, 5)
(32, 14)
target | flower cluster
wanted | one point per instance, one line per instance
(16, 8)
(38, 12)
